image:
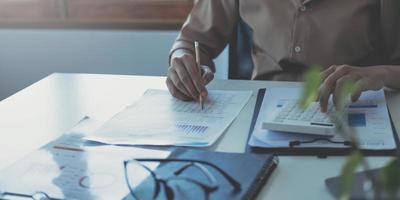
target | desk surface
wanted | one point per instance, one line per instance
(43, 111)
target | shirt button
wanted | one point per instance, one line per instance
(303, 8)
(297, 49)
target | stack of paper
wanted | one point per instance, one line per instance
(160, 119)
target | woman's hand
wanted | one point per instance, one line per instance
(334, 78)
(184, 80)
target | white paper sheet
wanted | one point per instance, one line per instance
(67, 169)
(375, 134)
(159, 119)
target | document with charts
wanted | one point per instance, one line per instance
(69, 168)
(160, 119)
(369, 117)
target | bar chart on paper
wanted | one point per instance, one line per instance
(192, 129)
(159, 119)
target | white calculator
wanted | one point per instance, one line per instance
(289, 117)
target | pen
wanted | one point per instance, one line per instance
(197, 52)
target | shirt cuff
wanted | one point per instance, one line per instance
(181, 44)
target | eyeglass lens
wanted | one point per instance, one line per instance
(143, 184)
(141, 181)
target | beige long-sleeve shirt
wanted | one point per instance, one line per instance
(298, 32)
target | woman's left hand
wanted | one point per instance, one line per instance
(334, 78)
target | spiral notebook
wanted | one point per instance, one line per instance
(265, 141)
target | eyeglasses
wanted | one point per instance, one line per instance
(36, 196)
(198, 183)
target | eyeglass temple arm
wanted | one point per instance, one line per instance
(228, 177)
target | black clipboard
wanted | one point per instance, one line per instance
(318, 151)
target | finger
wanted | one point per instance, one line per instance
(177, 82)
(340, 71)
(338, 92)
(323, 95)
(356, 95)
(364, 84)
(208, 74)
(327, 72)
(324, 75)
(194, 72)
(185, 78)
(174, 91)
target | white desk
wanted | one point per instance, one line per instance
(43, 111)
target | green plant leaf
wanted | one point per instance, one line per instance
(342, 126)
(312, 81)
(347, 175)
(390, 177)
(349, 87)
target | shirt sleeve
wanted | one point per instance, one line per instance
(211, 23)
(390, 23)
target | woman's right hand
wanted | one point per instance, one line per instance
(185, 80)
